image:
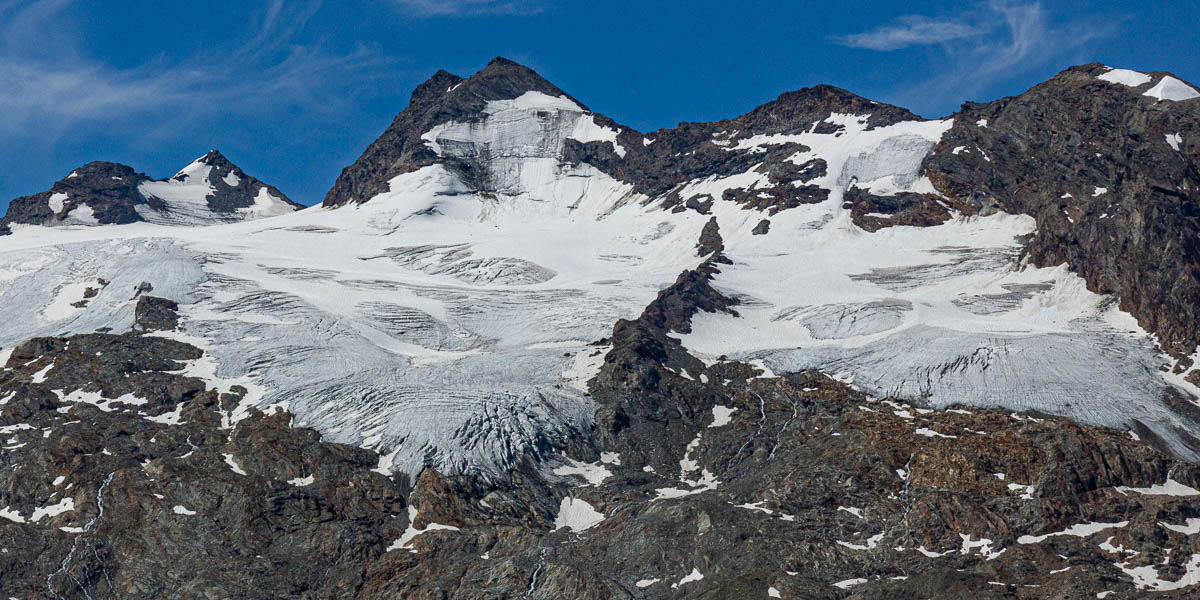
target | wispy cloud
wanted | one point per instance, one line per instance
(463, 8)
(988, 44)
(911, 30)
(51, 84)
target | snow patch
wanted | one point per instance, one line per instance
(695, 575)
(62, 506)
(849, 583)
(62, 306)
(1190, 527)
(576, 515)
(1172, 89)
(406, 538)
(593, 473)
(1170, 487)
(1080, 530)
(1146, 577)
(233, 465)
(925, 431)
(1125, 77)
(722, 415)
(56, 202)
(870, 545)
(81, 215)
(11, 515)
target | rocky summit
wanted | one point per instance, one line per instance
(209, 190)
(825, 350)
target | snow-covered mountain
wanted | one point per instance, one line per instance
(452, 302)
(208, 191)
(447, 317)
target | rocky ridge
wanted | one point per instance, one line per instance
(106, 193)
(1114, 195)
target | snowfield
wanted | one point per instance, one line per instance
(441, 326)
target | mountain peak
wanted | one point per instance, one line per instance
(504, 79)
(213, 162)
(803, 106)
(442, 98)
(214, 157)
(210, 189)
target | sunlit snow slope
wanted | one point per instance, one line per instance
(448, 321)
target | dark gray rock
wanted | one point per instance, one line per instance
(109, 189)
(110, 194)
(873, 212)
(1047, 152)
(155, 314)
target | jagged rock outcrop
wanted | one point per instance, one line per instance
(230, 189)
(125, 477)
(100, 192)
(873, 212)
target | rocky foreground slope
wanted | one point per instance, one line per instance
(827, 349)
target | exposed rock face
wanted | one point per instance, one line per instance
(1114, 195)
(698, 150)
(873, 212)
(124, 478)
(100, 192)
(211, 189)
(230, 188)
(444, 98)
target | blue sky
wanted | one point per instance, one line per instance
(294, 91)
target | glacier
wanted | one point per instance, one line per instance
(453, 323)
